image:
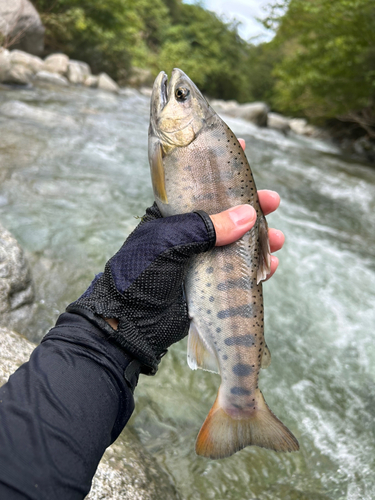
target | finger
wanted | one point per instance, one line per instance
(276, 238)
(231, 224)
(274, 264)
(242, 143)
(269, 200)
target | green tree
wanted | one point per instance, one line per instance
(328, 58)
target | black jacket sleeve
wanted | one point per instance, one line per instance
(61, 410)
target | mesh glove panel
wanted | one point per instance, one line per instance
(142, 284)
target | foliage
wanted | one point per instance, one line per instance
(328, 57)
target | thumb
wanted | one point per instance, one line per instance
(231, 224)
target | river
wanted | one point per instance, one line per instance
(74, 178)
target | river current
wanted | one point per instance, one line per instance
(74, 178)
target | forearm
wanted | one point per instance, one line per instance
(60, 411)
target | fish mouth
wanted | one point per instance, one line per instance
(162, 90)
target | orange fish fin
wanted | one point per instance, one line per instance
(266, 358)
(264, 266)
(199, 355)
(222, 435)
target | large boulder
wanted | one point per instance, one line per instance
(43, 78)
(105, 82)
(278, 122)
(16, 285)
(57, 63)
(254, 112)
(21, 26)
(78, 72)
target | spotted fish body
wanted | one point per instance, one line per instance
(198, 164)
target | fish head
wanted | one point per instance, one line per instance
(178, 113)
(178, 110)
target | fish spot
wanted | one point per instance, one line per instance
(244, 311)
(225, 357)
(228, 267)
(218, 330)
(242, 369)
(240, 391)
(244, 340)
(242, 283)
(211, 299)
(210, 270)
(208, 311)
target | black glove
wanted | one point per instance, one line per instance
(142, 285)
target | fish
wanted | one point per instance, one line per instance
(197, 163)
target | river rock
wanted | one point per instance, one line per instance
(254, 112)
(16, 285)
(78, 71)
(19, 74)
(225, 107)
(301, 127)
(33, 63)
(91, 81)
(105, 82)
(21, 25)
(48, 78)
(4, 63)
(278, 122)
(140, 77)
(57, 63)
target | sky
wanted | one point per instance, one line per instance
(245, 11)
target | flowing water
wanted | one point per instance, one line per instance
(74, 178)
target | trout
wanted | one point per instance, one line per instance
(197, 164)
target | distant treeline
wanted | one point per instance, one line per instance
(320, 64)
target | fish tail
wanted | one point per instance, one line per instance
(222, 435)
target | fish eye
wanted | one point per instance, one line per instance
(182, 93)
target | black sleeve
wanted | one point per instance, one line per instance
(61, 410)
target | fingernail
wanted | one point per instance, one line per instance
(242, 215)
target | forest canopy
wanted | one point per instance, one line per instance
(320, 63)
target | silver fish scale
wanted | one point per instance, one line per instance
(225, 302)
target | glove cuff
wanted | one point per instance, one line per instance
(127, 338)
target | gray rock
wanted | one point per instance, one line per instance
(48, 78)
(140, 77)
(226, 107)
(91, 81)
(33, 63)
(129, 472)
(105, 82)
(21, 25)
(15, 350)
(278, 122)
(16, 285)
(254, 112)
(301, 127)
(19, 74)
(57, 63)
(78, 72)
(4, 63)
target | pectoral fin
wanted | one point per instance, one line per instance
(264, 266)
(157, 172)
(199, 354)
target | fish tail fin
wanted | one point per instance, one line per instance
(222, 435)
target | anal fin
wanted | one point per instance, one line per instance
(199, 355)
(264, 266)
